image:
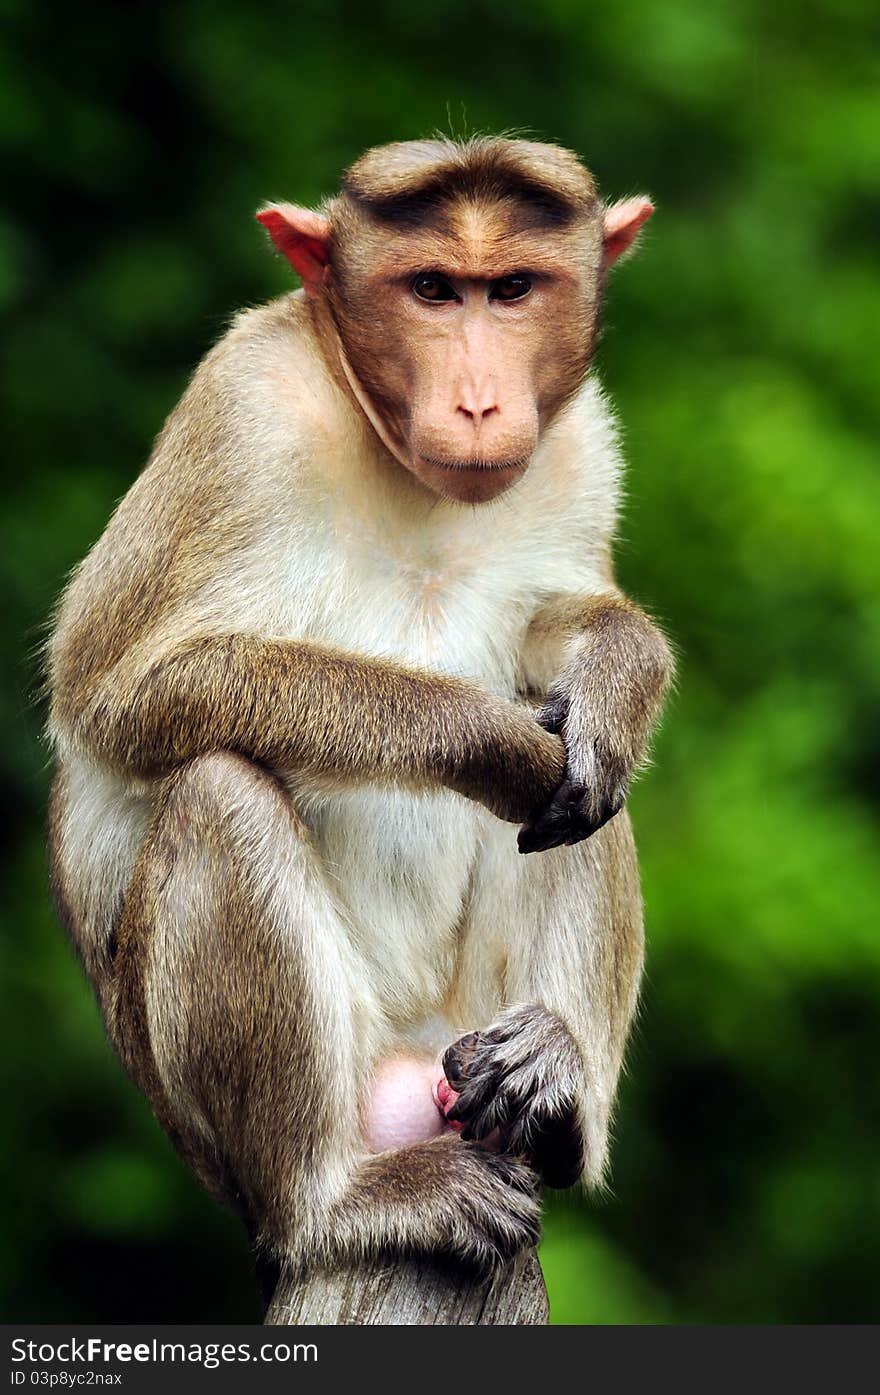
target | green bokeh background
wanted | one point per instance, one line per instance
(741, 352)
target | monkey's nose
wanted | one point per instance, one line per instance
(476, 414)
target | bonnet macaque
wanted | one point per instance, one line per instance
(353, 624)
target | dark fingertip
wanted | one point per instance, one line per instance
(546, 844)
(535, 842)
(549, 831)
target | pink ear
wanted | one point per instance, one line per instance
(621, 224)
(303, 237)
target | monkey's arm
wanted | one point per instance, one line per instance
(296, 706)
(612, 668)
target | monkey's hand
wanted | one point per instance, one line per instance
(493, 1201)
(595, 783)
(510, 761)
(518, 1085)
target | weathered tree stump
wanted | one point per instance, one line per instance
(412, 1293)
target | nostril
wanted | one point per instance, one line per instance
(478, 414)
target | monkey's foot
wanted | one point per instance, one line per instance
(516, 1086)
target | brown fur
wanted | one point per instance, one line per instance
(301, 707)
(195, 722)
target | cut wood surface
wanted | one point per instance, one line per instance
(412, 1293)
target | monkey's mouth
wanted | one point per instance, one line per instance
(476, 465)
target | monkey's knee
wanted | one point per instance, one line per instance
(223, 781)
(223, 801)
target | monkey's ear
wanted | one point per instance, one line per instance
(303, 237)
(621, 224)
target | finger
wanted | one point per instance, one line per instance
(557, 813)
(495, 1114)
(459, 1057)
(552, 717)
(584, 825)
(529, 842)
(480, 1099)
(472, 1099)
(550, 828)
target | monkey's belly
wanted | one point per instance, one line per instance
(403, 1105)
(399, 865)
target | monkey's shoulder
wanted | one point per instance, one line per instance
(261, 402)
(270, 358)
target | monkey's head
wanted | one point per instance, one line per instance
(464, 282)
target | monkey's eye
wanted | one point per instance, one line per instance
(431, 286)
(510, 287)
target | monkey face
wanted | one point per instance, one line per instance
(468, 341)
(463, 284)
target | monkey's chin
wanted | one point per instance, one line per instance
(470, 481)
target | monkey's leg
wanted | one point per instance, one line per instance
(244, 1014)
(543, 1070)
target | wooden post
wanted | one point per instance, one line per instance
(412, 1292)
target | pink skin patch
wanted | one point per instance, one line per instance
(408, 1102)
(405, 1103)
(444, 1098)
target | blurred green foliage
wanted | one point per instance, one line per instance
(740, 350)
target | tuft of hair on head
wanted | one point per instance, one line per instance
(406, 181)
